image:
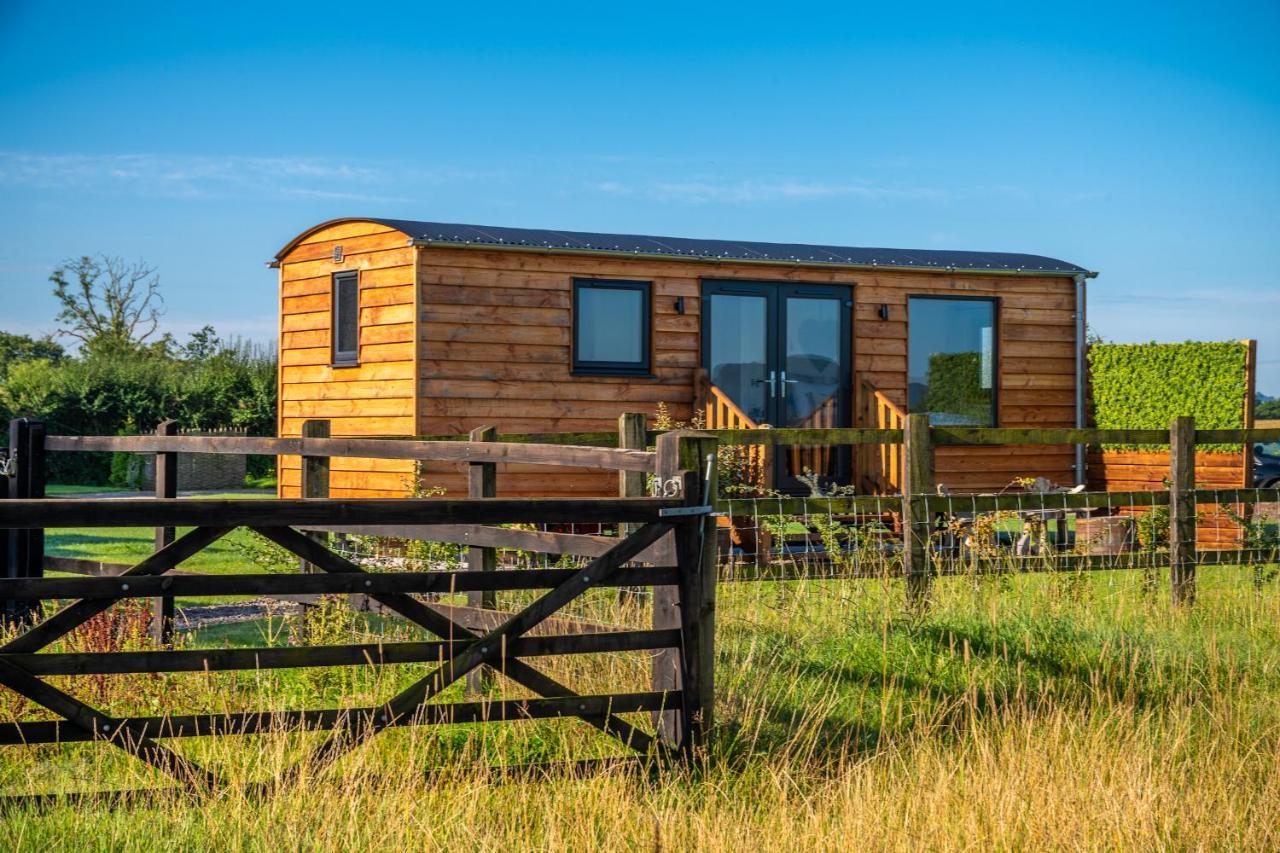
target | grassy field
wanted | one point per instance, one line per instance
(1069, 711)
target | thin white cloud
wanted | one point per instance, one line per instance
(712, 191)
(198, 176)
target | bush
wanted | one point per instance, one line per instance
(133, 392)
(1145, 386)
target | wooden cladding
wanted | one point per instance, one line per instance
(374, 395)
(452, 339)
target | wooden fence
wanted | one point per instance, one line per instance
(920, 512)
(673, 533)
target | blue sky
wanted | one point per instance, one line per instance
(1142, 141)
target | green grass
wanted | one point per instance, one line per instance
(132, 544)
(62, 490)
(1077, 711)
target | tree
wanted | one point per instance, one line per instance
(1267, 410)
(202, 344)
(107, 304)
(19, 348)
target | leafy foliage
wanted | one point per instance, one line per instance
(955, 388)
(130, 392)
(1145, 386)
(19, 348)
(1268, 411)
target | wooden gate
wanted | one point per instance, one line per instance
(680, 709)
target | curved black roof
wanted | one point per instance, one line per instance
(729, 250)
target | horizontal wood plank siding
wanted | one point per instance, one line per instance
(495, 334)
(1141, 471)
(377, 395)
(1036, 352)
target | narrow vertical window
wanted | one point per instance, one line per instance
(346, 318)
(951, 360)
(611, 327)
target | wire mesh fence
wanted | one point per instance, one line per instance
(1015, 531)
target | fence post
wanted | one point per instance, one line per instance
(665, 666)
(1182, 510)
(315, 475)
(687, 549)
(24, 549)
(482, 482)
(166, 486)
(917, 484)
(631, 436)
(697, 557)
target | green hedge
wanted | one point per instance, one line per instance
(955, 387)
(1145, 386)
(130, 394)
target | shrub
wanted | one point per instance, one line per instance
(1145, 386)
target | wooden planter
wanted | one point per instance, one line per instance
(1110, 534)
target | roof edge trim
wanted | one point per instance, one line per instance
(613, 253)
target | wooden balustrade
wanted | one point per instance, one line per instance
(882, 463)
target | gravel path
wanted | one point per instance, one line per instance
(204, 615)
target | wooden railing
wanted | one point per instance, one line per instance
(881, 464)
(816, 458)
(720, 412)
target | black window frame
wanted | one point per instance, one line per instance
(644, 367)
(343, 358)
(996, 376)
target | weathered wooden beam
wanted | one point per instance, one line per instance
(166, 486)
(1182, 510)
(246, 723)
(980, 436)
(189, 512)
(482, 482)
(188, 585)
(812, 437)
(489, 648)
(697, 555)
(606, 458)
(23, 555)
(537, 541)
(917, 486)
(360, 654)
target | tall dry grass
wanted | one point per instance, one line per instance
(1079, 713)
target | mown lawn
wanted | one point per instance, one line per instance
(1076, 711)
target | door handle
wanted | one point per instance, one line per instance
(786, 382)
(771, 382)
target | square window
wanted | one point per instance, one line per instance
(951, 360)
(611, 328)
(346, 318)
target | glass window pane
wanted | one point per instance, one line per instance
(813, 361)
(951, 360)
(610, 325)
(739, 356)
(347, 320)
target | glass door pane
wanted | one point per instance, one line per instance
(738, 360)
(815, 373)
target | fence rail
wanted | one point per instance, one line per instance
(682, 710)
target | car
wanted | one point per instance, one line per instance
(1266, 467)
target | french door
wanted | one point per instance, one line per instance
(781, 353)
